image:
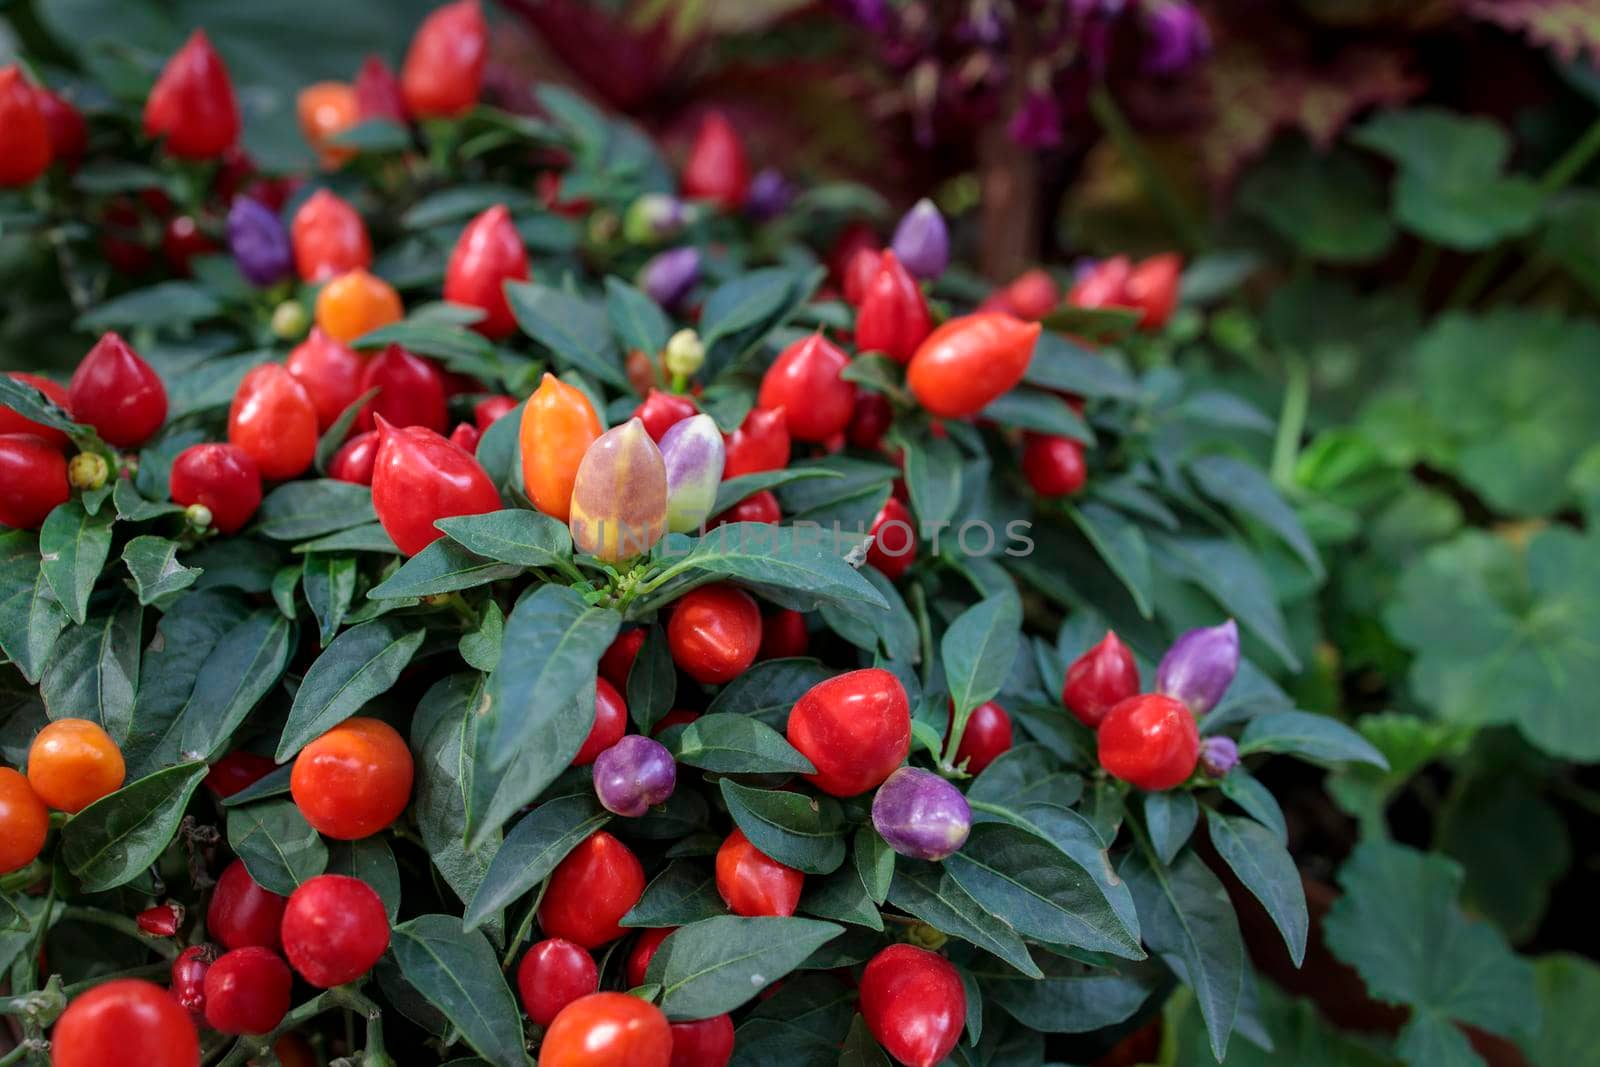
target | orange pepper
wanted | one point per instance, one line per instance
(558, 426)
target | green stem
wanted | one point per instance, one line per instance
(345, 996)
(1122, 133)
(149, 970)
(25, 1048)
(522, 929)
(122, 924)
(1291, 421)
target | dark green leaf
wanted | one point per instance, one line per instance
(458, 972)
(1266, 869)
(113, 840)
(31, 403)
(1313, 737)
(1123, 547)
(860, 1050)
(279, 848)
(1060, 363)
(769, 689)
(371, 860)
(734, 490)
(652, 681)
(783, 557)
(334, 436)
(716, 965)
(927, 891)
(296, 511)
(683, 893)
(933, 476)
(329, 582)
(637, 320)
(737, 744)
(95, 669)
(1244, 488)
(480, 646)
(73, 546)
(275, 783)
(516, 536)
(1170, 819)
(1039, 411)
(573, 329)
(978, 650)
(1023, 774)
(1232, 577)
(868, 628)
(460, 202)
(30, 618)
(163, 304)
(842, 898)
(1071, 999)
(442, 567)
(241, 669)
(874, 863)
(532, 849)
(1241, 787)
(363, 662)
(153, 562)
(368, 538)
(806, 833)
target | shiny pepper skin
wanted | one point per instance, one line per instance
(893, 315)
(334, 930)
(24, 134)
(72, 763)
(33, 480)
(189, 979)
(354, 780)
(247, 991)
(126, 1021)
(69, 133)
(717, 169)
(411, 391)
(355, 459)
(987, 736)
(914, 1004)
(24, 822)
(331, 373)
(443, 72)
(274, 422)
(590, 891)
(714, 633)
(1053, 465)
(618, 659)
(223, 478)
(466, 437)
(242, 913)
(970, 361)
(356, 303)
(643, 951)
(117, 393)
(661, 411)
(329, 238)
(805, 381)
(608, 1030)
(487, 412)
(1153, 289)
(894, 539)
(752, 883)
(378, 94)
(488, 254)
(11, 422)
(855, 728)
(610, 721)
(326, 109)
(619, 495)
(558, 426)
(192, 106)
(1099, 680)
(757, 507)
(1150, 741)
(703, 1043)
(761, 443)
(860, 271)
(553, 974)
(419, 478)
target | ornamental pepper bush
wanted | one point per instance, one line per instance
(512, 591)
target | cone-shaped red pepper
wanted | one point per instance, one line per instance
(805, 381)
(487, 255)
(761, 443)
(24, 133)
(331, 373)
(970, 361)
(893, 316)
(378, 93)
(1153, 289)
(273, 419)
(410, 391)
(117, 393)
(192, 105)
(1099, 680)
(717, 169)
(329, 238)
(33, 480)
(443, 71)
(419, 478)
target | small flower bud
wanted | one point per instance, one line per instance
(922, 242)
(685, 353)
(198, 516)
(926, 936)
(921, 815)
(1200, 665)
(694, 453)
(1218, 756)
(88, 470)
(290, 320)
(634, 775)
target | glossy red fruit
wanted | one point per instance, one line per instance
(334, 930)
(752, 883)
(553, 974)
(643, 951)
(329, 238)
(69, 133)
(717, 169)
(703, 1043)
(608, 1030)
(714, 633)
(182, 239)
(125, 1021)
(914, 1004)
(988, 734)
(419, 478)
(378, 94)
(893, 316)
(870, 420)
(783, 634)
(1150, 741)
(852, 240)
(1099, 680)
(661, 411)
(970, 361)
(610, 722)
(236, 771)
(1033, 294)
(11, 422)
(805, 381)
(162, 920)
(189, 978)
(331, 373)
(223, 478)
(410, 391)
(1053, 465)
(860, 271)
(242, 913)
(488, 411)
(192, 107)
(590, 891)
(618, 659)
(761, 443)
(675, 717)
(466, 437)
(274, 421)
(117, 393)
(24, 133)
(1152, 288)
(33, 480)
(354, 780)
(355, 459)
(894, 539)
(855, 728)
(443, 71)
(247, 991)
(757, 507)
(488, 254)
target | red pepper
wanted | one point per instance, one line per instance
(325, 110)
(660, 412)
(757, 507)
(805, 381)
(466, 437)
(488, 254)
(854, 238)
(870, 420)
(410, 391)
(24, 132)
(1153, 289)
(860, 272)
(192, 105)
(970, 361)
(182, 240)
(11, 422)
(222, 478)
(1151, 741)
(162, 920)
(1099, 680)
(331, 373)
(353, 462)
(894, 540)
(329, 238)
(69, 134)
(419, 478)
(274, 421)
(893, 316)
(117, 393)
(1053, 465)
(443, 72)
(33, 480)
(378, 93)
(488, 411)
(761, 443)
(717, 169)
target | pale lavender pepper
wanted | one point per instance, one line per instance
(695, 454)
(1218, 756)
(1200, 666)
(259, 242)
(668, 276)
(921, 815)
(922, 241)
(634, 775)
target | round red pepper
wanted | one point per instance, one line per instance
(355, 459)
(590, 890)
(870, 420)
(125, 1021)
(661, 411)
(443, 72)
(1153, 289)
(757, 507)
(805, 382)
(331, 373)
(714, 633)
(914, 1004)
(163, 920)
(329, 238)
(274, 422)
(24, 133)
(117, 393)
(752, 883)
(716, 169)
(1150, 741)
(608, 1030)
(223, 478)
(419, 478)
(189, 979)
(643, 951)
(894, 539)
(703, 1043)
(558, 426)
(488, 254)
(893, 315)
(24, 822)
(1099, 680)
(855, 728)
(33, 480)
(761, 443)
(970, 361)
(783, 635)
(490, 410)
(334, 930)
(618, 659)
(411, 391)
(192, 105)
(1053, 465)
(11, 422)
(1032, 295)
(553, 974)
(247, 991)
(610, 721)
(988, 734)
(235, 771)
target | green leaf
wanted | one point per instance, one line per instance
(1312, 737)
(802, 562)
(240, 670)
(869, 629)
(978, 649)
(725, 743)
(373, 135)
(843, 898)
(741, 313)
(575, 330)
(458, 972)
(1399, 926)
(279, 848)
(1039, 411)
(769, 689)
(480, 646)
(1241, 787)
(933, 477)
(874, 863)
(329, 582)
(928, 892)
(806, 833)
(652, 681)
(1513, 844)
(275, 783)
(532, 850)
(734, 490)
(459, 203)
(1122, 545)
(296, 511)
(153, 562)
(683, 893)
(372, 861)
(442, 567)
(164, 304)
(1070, 999)
(113, 840)
(1568, 988)
(860, 1050)
(95, 670)
(715, 965)
(1234, 579)
(362, 663)
(1060, 363)
(1329, 205)
(1170, 818)
(1094, 324)
(1266, 869)
(73, 546)
(1245, 489)
(333, 438)
(30, 618)
(637, 320)
(32, 404)
(516, 536)
(1024, 774)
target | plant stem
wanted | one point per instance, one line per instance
(1291, 421)
(123, 925)
(149, 970)
(1122, 133)
(345, 996)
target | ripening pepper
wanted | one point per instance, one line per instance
(24, 133)
(653, 218)
(1200, 666)
(488, 254)
(660, 412)
(922, 241)
(329, 238)
(378, 93)
(893, 316)
(192, 105)
(259, 242)
(69, 134)
(356, 303)
(1218, 756)
(619, 495)
(558, 426)
(118, 393)
(694, 455)
(805, 380)
(443, 72)
(326, 109)
(970, 361)
(716, 169)
(1153, 289)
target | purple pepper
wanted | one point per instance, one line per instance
(922, 241)
(634, 775)
(770, 195)
(1218, 756)
(1200, 666)
(669, 276)
(1037, 121)
(259, 242)
(1176, 37)
(921, 815)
